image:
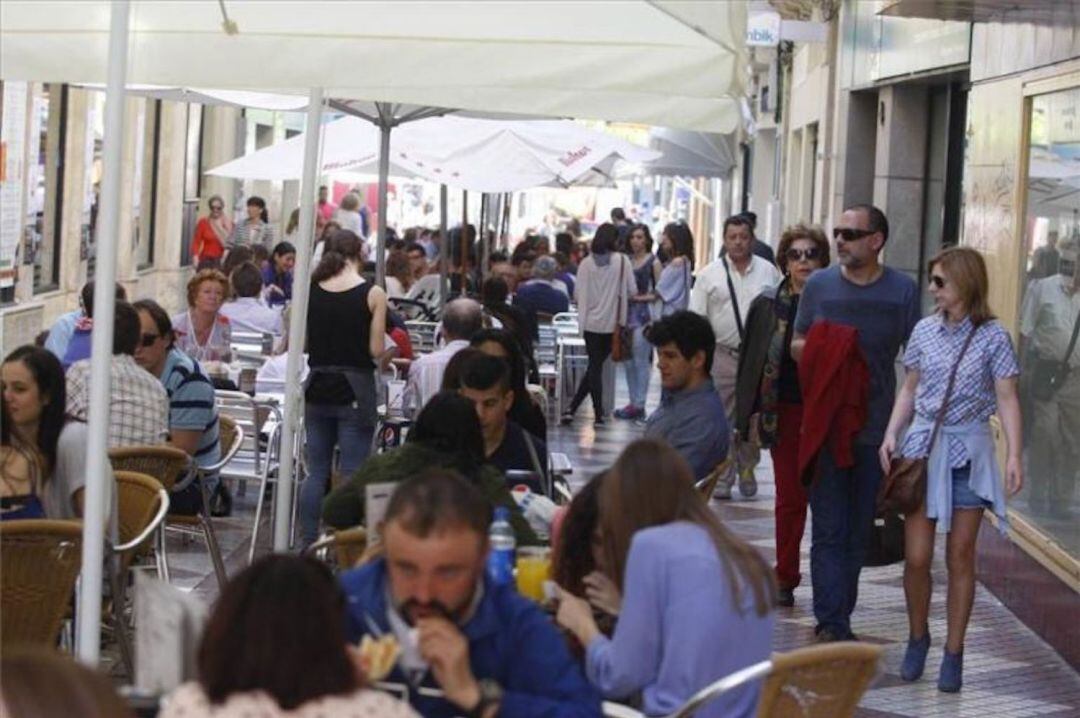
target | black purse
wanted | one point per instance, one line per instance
(886, 544)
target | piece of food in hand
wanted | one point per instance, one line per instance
(378, 656)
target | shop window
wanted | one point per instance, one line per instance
(47, 137)
(93, 170)
(192, 178)
(146, 184)
(1050, 315)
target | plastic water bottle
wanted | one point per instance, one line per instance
(500, 563)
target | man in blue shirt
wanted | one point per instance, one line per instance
(486, 650)
(540, 294)
(883, 305)
(193, 416)
(691, 414)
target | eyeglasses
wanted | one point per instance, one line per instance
(796, 255)
(937, 281)
(147, 340)
(847, 234)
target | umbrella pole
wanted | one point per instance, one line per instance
(464, 239)
(88, 644)
(485, 248)
(444, 249)
(385, 126)
(298, 324)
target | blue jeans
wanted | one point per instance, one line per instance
(638, 369)
(328, 426)
(842, 505)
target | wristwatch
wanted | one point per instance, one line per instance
(491, 693)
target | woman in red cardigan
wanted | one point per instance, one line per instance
(211, 233)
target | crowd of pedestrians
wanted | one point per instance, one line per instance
(654, 596)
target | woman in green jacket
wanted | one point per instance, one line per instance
(446, 434)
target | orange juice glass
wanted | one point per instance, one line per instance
(533, 568)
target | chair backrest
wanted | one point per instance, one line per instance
(349, 546)
(819, 681)
(422, 335)
(165, 463)
(707, 485)
(230, 436)
(244, 412)
(39, 562)
(139, 500)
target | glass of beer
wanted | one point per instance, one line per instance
(533, 569)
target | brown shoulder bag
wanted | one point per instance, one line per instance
(903, 490)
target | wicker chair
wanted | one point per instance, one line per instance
(350, 547)
(707, 485)
(39, 562)
(819, 681)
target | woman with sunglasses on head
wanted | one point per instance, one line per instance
(959, 361)
(211, 234)
(768, 401)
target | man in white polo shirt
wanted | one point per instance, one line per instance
(722, 293)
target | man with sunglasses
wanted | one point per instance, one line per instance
(882, 305)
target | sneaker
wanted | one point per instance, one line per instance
(567, 418)
(915, 658)
(951, 676)
(722, 492)
(599, 420)
(627, 412)
(785, 597)
(825, 635)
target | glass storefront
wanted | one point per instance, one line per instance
(1050, 321)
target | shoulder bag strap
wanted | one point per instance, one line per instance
(734, 299)
(1072, 345)
(618, 307)
(948, 389)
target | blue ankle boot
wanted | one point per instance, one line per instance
(915, 658)
(952, 672)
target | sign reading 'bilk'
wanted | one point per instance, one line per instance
(763, 29)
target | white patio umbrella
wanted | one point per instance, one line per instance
(660, 62)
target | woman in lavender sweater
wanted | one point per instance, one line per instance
(695, 602)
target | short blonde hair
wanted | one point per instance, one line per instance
(205, 275)
(966, 270)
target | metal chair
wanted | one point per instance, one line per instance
(251, 416)
(39, 563)
(142, 505)
(422, 335)
(271, 472)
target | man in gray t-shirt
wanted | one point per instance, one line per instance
(883, 305)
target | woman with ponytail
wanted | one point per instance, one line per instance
(346, 322)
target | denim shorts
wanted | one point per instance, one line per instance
(962, 495)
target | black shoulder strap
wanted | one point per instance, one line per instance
(734, 299)
(1072, 343)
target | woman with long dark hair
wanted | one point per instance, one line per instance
(962, 477)
(638, 365)
(605, 283)
(447, 434)
(275, 646)
(696, 601)
(42, 449)
(277, 275)
(346, 325)
(677, 256)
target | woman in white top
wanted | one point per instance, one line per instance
(677, 255)
(203, 332)
(275, 646)
(348, 214)
(605, 283)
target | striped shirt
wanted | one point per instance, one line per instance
(191, 404)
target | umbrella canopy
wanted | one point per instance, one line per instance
(474, 154)
(657, 62)
(689, 154)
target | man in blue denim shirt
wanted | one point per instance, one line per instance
(691, 414)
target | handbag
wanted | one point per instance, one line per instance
(1048, 375)
(886, 544)
(903, 490)
(623, 337)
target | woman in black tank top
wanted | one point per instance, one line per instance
(346, 322)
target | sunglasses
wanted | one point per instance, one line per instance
(796, 255)
(846, 234)
(937, 281)
(147, 340)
